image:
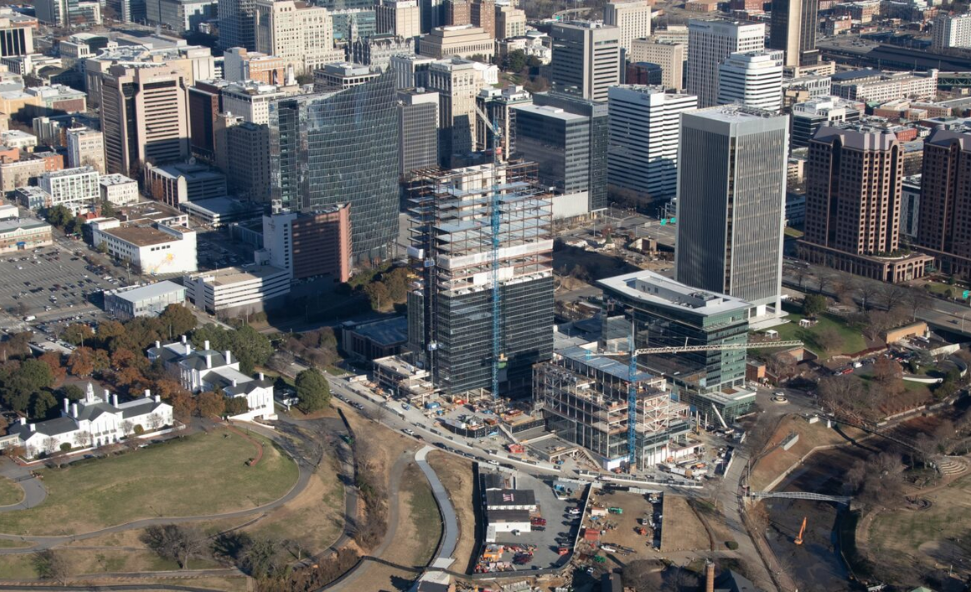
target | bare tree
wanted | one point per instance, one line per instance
(867, 291)
(51, 565)
(824, 280)
(894, 296)
(918, 300)
(154, 421)
(175, 542)
(127, 427)
(801, 274)
(82, 439)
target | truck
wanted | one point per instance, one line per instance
(516, 448)
(537, 521)
(615, 510)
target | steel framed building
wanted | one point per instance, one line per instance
(583, 397)
(450, 311)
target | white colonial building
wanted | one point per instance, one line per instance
(91, 422)
(208, 370)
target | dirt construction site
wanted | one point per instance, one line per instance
(635, 525)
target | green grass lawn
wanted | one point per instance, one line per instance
(793, 232)
(852, 339)
(10, 492)
(199, 475)
(425, 517)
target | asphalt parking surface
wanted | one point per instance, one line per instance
(558, 524)
(53, 266)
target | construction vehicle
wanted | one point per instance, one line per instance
(802, 531)
(516, 448)
(641, 531)
(615, 510)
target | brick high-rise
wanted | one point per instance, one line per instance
(854, 180)
(945, 200)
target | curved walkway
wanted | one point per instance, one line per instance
(449, 519)
(34, 491)
(305, 472)
(394, 484)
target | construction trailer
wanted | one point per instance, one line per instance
(460, 327)
(584, 399)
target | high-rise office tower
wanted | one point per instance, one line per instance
(510, 22)
(144, 117)
(236, 22)
(586, 59)
(567, 136)
(300, 33)
(432, 14)
(457, 83)
(400, 17)
(338, 147)
(753, 79)
(809, 116)
(854, 183)
(458, 12)
(85, 147)
(632, 18)
(16, 33)
(669, 56)
(731, 203)
(205, 105)
(952, 30)
(794, 30)
(243, 155)
(645, 124)
(482, 14)
(451, 312)
(945, 201)
(709, 45)
(418, 129)
(497, 105)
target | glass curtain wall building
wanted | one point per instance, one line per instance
(339, 147)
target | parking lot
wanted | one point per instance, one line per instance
(559, 528)
(50, 283)
(216, 250)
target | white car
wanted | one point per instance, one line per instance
(409, 431)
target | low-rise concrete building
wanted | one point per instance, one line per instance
(118, 189)
(238, 290)
(143, 301)
(153, 249)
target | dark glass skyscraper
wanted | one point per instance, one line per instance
(339, 147)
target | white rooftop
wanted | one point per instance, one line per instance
(654, 288)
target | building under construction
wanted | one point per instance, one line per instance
(453, 326)
(584, 399)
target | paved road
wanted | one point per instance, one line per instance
(304, 467)
(729, 496)
(34, 492)
(450, 520)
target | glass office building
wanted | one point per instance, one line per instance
(340, 147)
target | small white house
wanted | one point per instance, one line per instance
(93, 421)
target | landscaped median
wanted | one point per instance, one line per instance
(199, 475)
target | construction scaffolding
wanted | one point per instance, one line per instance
(451, 308)
(584, 399)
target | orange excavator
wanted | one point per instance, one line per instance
(802, 531)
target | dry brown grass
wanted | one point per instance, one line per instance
(681, 529)
(769, 467)
(456, 476)
(635, 506)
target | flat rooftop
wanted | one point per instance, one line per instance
(141, 236)
(654, 288)
(13, 224)
(549, 111)
(385, 332)
(222, 206)
(228, 276)
(114, 179)
(138, 293)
